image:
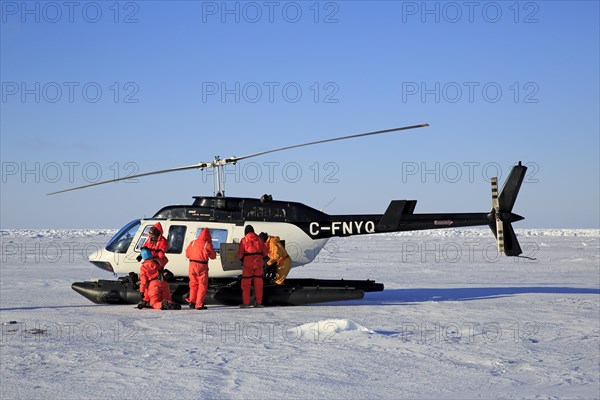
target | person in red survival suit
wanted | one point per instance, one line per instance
(155, 290)
(198, 252)
(251, 251)
(157, 243)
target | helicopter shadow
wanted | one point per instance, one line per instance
(391, 297)
(52, 307)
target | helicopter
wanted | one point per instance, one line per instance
(305, 232)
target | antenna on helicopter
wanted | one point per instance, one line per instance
(218, 163)
(328, 204)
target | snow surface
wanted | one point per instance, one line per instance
(455, 321)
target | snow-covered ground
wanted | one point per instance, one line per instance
(455, 321)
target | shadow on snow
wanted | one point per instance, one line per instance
(391, 297)
(420, 295)
(56, 307)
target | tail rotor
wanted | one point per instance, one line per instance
(501, 215)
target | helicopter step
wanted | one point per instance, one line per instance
(294, 292)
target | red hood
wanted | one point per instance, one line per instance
(205, 235)
(159, 227)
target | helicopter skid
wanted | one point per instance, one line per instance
(294, 292)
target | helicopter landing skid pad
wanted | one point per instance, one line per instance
(294, 292)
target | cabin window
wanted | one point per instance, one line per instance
(267, 212)
(218, 236)
(122, 240)
(175, 239)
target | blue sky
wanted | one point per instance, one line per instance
(94, 90)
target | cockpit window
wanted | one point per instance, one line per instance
(142, 239)
(218, 236)
(175, 239)
(122, 240)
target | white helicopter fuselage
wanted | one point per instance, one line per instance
(119, 256)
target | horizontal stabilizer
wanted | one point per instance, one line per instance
(394, 213)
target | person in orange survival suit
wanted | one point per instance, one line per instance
(157, 243)
(251, 251)
(198, 252)
(279, 258)
(155, 290)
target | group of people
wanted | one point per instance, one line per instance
(253, 250)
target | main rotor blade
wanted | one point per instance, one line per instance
(234, 159)
(221, 162)
(163, 171)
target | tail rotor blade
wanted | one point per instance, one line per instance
(499, 222)
(495, 203)
(500, 235)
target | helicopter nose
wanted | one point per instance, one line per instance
(99, 259)
(95, 256)
(103, 265)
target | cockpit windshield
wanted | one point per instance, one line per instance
(121, 241)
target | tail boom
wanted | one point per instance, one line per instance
(399, 217)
